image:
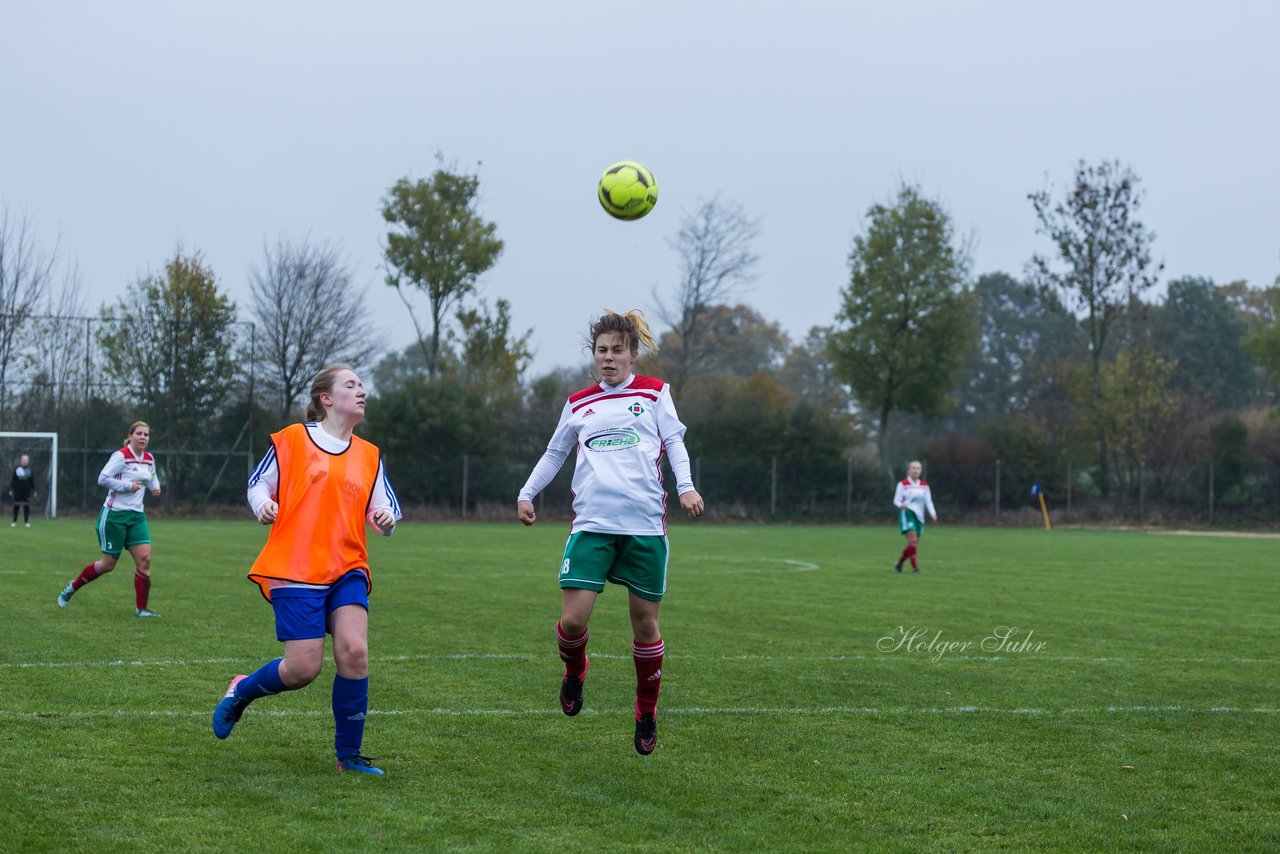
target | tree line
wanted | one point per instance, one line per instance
(1068, 372)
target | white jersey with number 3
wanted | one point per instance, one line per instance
(914, 495)
(122, 471)
(620, 433)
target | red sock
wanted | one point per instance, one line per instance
(573, 652)
(89, 573)
(141, 588)
(906, 553)
(912, 550)
(648, 659)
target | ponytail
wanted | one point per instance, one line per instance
(632, 325)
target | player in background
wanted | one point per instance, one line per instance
(620, 428)
(912, 499)
(122, 523)
(22, 490)
(317, 487)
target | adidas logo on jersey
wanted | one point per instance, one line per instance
(589, 411)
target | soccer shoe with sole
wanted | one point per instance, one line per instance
(361, 765)
(646, 734)
(144, 612)
(571, 693)
(228, 710)
(897, 567)
(65, 596)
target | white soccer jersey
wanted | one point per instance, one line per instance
(121, 472)
(620, 433)
(914, 496)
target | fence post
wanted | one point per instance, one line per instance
(997, 490)
(848, 487)
(1142, 490)
(464, 486)
(1068, 490)
(1210, 492)
(773, 487)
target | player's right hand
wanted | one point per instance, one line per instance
(267, 512)
(525, 513)
(135, 486)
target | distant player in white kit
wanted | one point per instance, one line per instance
(620, 429)
(122, 524)
(913, 500)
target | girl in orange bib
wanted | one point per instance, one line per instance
(317, 487)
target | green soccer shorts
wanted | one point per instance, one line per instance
(638, 562)
(121, 529)
(908, 521)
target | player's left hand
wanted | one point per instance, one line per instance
(155, 491)
(384, 519)
(692, 503)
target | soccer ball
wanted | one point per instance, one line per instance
(627, 190)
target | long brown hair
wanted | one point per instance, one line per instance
(632, 325)
(323, 384)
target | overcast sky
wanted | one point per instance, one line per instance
(127, 129)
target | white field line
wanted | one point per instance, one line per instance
(699, 711)
(609, 656)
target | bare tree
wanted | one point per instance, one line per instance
(58, 360)
(25, 270)
(1105, 261)
(714, 244)
(310, 314)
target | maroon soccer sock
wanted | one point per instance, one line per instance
(141, 588)
(912, 554)
(648, 659)
(89, 573)
(906, 553)
(573, 652)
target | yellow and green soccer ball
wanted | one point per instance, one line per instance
(627, 190)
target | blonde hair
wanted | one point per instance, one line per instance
(632, 325)
(323, 384)
(134, 426)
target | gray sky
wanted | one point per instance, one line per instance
(129, 128)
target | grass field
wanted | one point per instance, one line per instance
(794, 715)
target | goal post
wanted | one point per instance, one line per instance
(36, 446)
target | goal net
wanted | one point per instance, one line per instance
(41, 450)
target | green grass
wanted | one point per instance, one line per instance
(1147, 721)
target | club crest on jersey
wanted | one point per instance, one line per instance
(613, 440)
(636, 409)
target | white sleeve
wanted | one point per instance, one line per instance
(897, 496)
(672, 432)
(383, 498)
(563, 440)
(155, 479)
(109, 476)
(928, 502)
(264, 483)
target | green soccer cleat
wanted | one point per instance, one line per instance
(65, 596)
(144, 612)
